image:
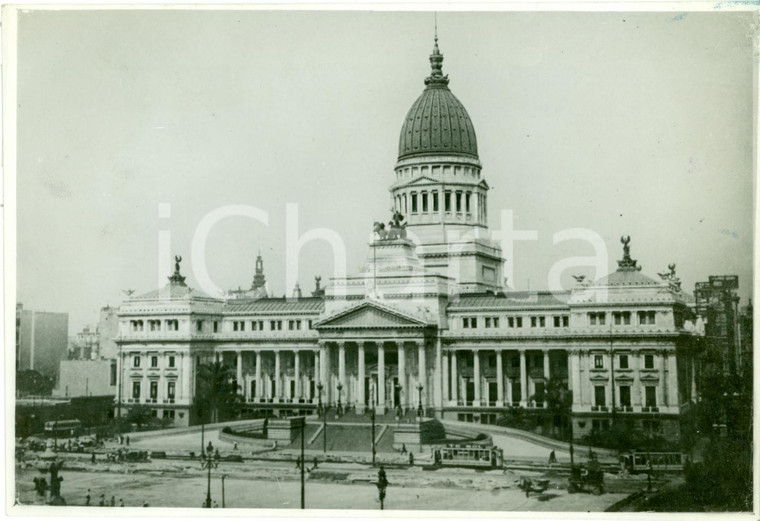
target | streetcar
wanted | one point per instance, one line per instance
(63, 428)
(635, 462)
(468, 455)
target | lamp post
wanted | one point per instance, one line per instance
(340, 406)
(324, 418)
(303, 465)
(209, 460)
(419, 409)
(223, 502)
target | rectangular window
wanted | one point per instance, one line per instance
(518, 321)
(154, 325)
(495, 321)
(153, 390)
(648, 361)
(467, 202)
(596, 319)
(136, 361)
(650, 396)
(600, 396)
(275, 325)
(565, 321)
(646, 317)
(459, 201)
(199, 326)
(541, 321)
(557, 321)
(466, 323)
(533, 321)
(435, 201)
(625, 396)
(216, 326)
(311, 324)
(170, 389)
(473, 322)
(171, 361)
(488, 322)
(623, 361)
(414, 202)
(510, 321)
(447, 201)
(598, 362)
(622, 318)
(154, 361)
(136, 390)
(172, 325)
(424, 202)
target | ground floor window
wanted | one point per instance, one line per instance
(625, 396)
(650, 394)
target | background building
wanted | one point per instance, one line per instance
(42, 339)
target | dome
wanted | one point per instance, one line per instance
(437, 123)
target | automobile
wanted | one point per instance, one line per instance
(588, 478)
(236, 458)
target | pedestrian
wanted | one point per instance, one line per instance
(234, 446)
(411, 458)
(113, 501)
(298, 462)
(121, 502)
(552, 458)
(87, 498)
(93, 457)
(315, 463)
(127, 441)
(403, 448)
(102, 501)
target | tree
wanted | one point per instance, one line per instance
(216, 393)
(559, 403)
(140, 415)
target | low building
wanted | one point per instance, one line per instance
(86, 378)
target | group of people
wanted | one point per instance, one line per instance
(103, 502)
(307, 469)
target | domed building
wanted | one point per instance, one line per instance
(426, 327)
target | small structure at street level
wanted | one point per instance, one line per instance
(49, 464)
(428, 324)
(286, 429)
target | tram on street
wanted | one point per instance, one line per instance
(635, 462)
(468, 455)
(63, 428)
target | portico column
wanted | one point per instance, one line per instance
(672, 381)
(499, 381)
(422, 370)
(381, 376)
(439, 376)
(360, 389)
(636, 400)
(240, 382)
(546, 373)
(342, 364)
(323, 372)
(446, 380)
(661, 392)
(317, 375)
(297, 374)
(277, 379)
(476, 375)
(523, 380)
(402, 375)
(693, 393)
(575, 377)
(454, 378)
(258, 377)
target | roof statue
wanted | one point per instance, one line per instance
(396, 228)
(319, 291)
(627, 263)
(176, 277)
(579, 279)
(670, 277)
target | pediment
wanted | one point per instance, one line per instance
(423, 180)
(369, 315)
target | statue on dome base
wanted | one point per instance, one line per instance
(396, 228)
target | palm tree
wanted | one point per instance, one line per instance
(216, 392)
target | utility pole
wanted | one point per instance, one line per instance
(303, 464)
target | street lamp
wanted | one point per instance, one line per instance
(419, 409)
(324, 418)
(340, 390)
(209, 460)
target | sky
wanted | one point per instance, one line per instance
(619, 123)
